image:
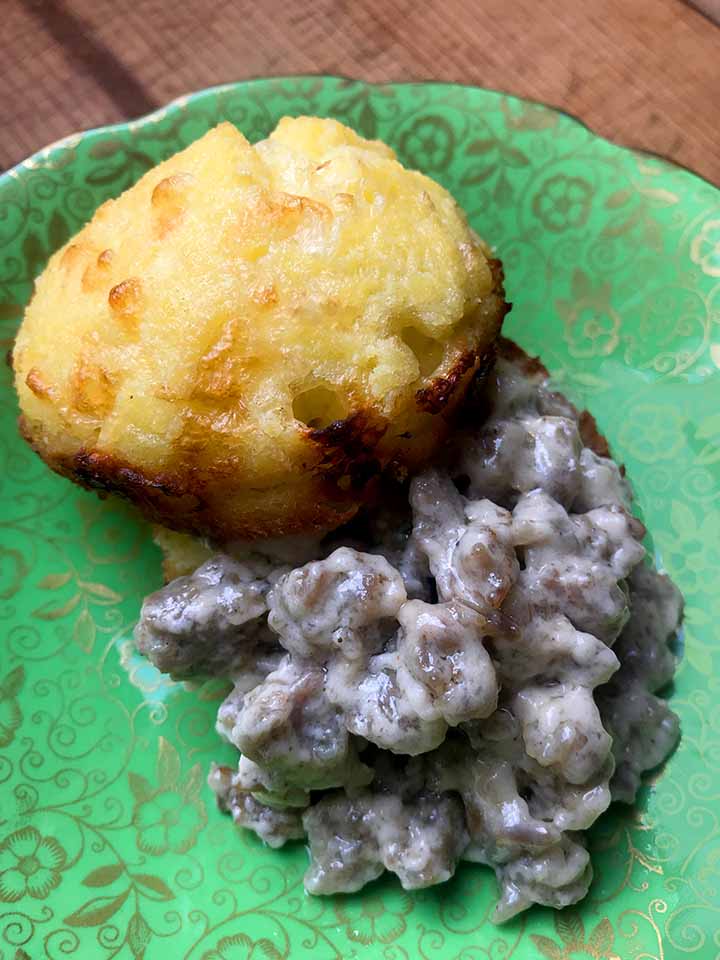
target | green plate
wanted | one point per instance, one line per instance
(110, 844)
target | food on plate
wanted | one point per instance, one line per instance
(245, 339)
(468, 672)
(181, 552)
(415, 562)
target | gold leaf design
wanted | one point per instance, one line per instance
(157, 887)
(96, 911)
(138, 935)
(11, 684)
(100, 591)
(103, 876)
(622, 224)
(547, 947)
(10, 719)
(665, 198)
(106, 148)
(84, 632)
(13, 570)
(53, 581)
(48, 611)
(168, 764)
(618, 199)
(581, 285)
(570, 928)
(479, 147)
(512, 156)
(140, 786)
(193, 782)
(602, 938)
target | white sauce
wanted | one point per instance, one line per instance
(472, 636)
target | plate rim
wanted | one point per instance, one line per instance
(72, 139)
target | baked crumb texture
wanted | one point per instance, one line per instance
(250, 336)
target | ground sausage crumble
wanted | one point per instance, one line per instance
(473, 675)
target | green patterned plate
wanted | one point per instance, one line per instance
(110, 845)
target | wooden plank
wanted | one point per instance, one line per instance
(642, 72)
(711, 8)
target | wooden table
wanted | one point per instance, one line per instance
(643, 72)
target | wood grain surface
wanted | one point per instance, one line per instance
(645, 73)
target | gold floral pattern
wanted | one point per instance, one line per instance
(241, 947)
(108, 843)
(591, 324)
(654, 432)
(167, 822)
(30, 865)
(429, 143)
(367, 919)
(563, 203)
(705, 248)
(691, 549)
(570, 930)
(168, 818)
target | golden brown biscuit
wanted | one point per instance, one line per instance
(246, 338)
(181, 552)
